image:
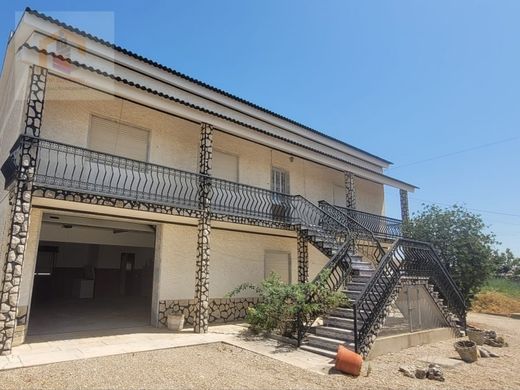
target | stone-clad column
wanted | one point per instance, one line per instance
(22, 191)
(204, 231)
(350, 190)
(405, 211)
(303, 259)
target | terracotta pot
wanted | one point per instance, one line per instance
(348, 362)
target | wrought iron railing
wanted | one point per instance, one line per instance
(73, 168)
(381, 226)
(338, 269)
(363, 240)
(405, 258)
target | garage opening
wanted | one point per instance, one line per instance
(91, 274)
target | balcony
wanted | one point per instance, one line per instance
(381, 226)
(74, 169)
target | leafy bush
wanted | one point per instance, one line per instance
(280, 303)
(463, 240)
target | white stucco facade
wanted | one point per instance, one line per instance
(172, 110)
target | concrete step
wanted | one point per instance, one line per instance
(354, 294)
(329, 344)
(360, 279)
(339, 322)
(358, 286)
(362, 268)
(342, 312)
(362, 272)
(319, 351)
(335, 332)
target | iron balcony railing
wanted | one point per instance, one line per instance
(381, 226)
(77, 169)
(364, 241)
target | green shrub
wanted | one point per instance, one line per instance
(280, 303)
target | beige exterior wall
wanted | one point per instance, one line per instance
(31, 252)
(236, 257)
(174, 143)
(370, 196)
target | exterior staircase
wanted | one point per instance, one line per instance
(370, 282)
(338, 325)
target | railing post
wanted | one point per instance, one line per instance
(204, 231)
(350, 190)
(303, 258)
(405, 211)
(356, 343)
(20, 217)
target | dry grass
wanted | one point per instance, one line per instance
(495, 302)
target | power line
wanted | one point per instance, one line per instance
(469, 208)
(455, 153)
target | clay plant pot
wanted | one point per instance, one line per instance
(467, 350)
(175, 321)
(477, 336)
(348, 362)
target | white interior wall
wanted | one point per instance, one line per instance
(91, 235)
(76, 255)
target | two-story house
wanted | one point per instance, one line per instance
(130, 191)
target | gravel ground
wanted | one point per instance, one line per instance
(220, 366)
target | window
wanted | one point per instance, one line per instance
(225, 166)
(112, 137)
(280, 181)
(279, 263)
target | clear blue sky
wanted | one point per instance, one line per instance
(433, 86)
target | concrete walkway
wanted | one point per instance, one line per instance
(76, 345)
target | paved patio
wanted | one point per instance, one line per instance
(82, 345)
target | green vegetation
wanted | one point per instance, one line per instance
(280, 303)
(508, 287)
(465, 245)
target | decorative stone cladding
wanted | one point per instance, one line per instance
(350, 190)
(204, 231)
(113, 202)
(220, 309)
(252, 221)
(405, 211)
(303, 258)
(21, 199)
(366, 344)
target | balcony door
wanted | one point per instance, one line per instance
(280, 180)
(280, 183)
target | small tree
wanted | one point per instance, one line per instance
(280, 303)
(462, 240)
(505, 262)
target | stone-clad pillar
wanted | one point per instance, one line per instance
(405, 211)
(350, 190)
(204, 231)
(21, 202)
(303, 259)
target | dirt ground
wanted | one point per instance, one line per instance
(220, 366)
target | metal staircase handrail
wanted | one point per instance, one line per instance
(385, 227)
(405, 257)
(348, 220)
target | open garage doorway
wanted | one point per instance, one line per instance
(91, 274)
